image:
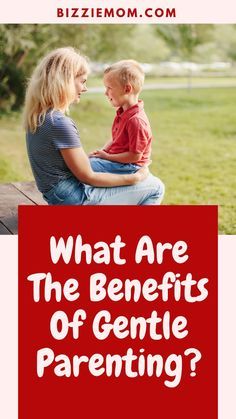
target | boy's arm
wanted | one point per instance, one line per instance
(107, 145)
(126, 157)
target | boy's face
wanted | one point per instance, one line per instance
(115, 92)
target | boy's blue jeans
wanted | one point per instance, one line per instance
(107, 166)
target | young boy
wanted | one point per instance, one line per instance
(130, 146)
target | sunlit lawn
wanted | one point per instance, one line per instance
(194, 151)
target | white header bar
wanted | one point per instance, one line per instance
(118, 11)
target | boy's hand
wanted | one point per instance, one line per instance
(92, 153)
(101, 154)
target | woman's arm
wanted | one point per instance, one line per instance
(78, 162)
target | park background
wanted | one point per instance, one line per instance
(190, 96)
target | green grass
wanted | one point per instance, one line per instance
(13, 159)
(194, 151)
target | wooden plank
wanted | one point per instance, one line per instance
(11, 222)
(30, 190)
(12, 195)
(10, 198)
(3, 229)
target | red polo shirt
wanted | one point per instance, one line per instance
(131, 131)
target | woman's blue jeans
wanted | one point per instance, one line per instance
(71, 192)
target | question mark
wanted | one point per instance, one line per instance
(197, 356)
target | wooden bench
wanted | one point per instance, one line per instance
(12, 195)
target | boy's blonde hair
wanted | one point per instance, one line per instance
(128, 72)
(52, 85)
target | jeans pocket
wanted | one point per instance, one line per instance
(62, 191)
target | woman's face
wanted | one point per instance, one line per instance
(80, 86)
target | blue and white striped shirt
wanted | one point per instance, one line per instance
(43, 147)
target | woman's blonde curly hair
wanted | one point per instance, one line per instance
(52, 85)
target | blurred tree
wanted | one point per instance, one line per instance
(22, 45)
(184, 39)
(225, 42)
(138, 45)
(19, 44)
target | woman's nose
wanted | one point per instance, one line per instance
(85, 89)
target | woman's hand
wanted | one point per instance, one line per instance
(142, 173)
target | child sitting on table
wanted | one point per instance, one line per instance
(130, 146)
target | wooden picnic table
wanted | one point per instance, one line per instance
(12, 195)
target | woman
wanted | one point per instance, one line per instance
(60, 166)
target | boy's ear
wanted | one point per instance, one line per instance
(128, 88)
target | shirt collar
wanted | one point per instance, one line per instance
(130, 111)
